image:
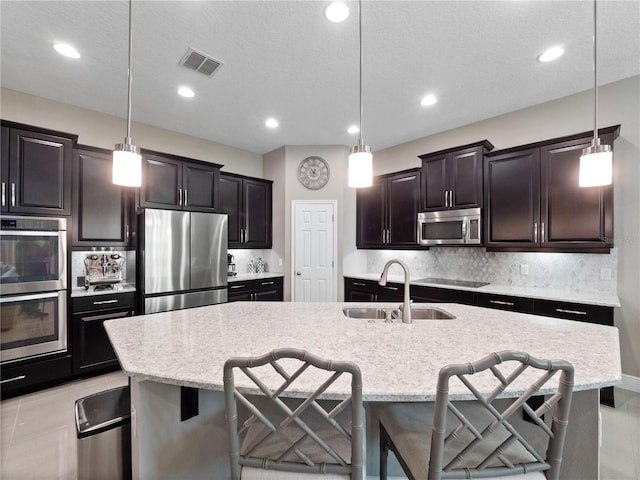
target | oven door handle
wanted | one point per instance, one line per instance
(29, 233)
(22, 298)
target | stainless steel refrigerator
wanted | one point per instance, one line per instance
(184, 257)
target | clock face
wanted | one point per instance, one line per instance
(313, 172)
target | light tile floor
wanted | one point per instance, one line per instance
(38, 439)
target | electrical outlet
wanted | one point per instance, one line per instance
(524, 269)
(605, 273)
(280, 262)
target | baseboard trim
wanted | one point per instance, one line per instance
(629, 382)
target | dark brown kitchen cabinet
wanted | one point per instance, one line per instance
(359, 290)
(262, 290)
(179, 183)
(30, 376)
(533, 201)
(424, 294)
(36, 170)
(386, 212)
(102, 211)
(452, 178)
(248, 203)
(92, 350)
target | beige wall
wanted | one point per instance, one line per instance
(619, 103)
(104, 131)
(281, 166)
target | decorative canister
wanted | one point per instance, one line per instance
(252, 267)
(259, 266)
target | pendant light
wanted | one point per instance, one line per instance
(596, 162)
(360, 158)
(127, 162)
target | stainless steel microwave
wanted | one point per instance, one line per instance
(450, 227)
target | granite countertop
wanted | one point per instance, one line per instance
(588, 298)
(399, 362)
(117, 288)
(243, 277)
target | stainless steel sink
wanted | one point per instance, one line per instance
(417, 313)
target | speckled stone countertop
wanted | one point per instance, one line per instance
(588, 298)
(243, 277)
(399, 362)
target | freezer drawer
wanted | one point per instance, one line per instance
(165, 303)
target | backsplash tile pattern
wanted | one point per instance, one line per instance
(574, 272)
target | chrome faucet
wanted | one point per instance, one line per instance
(405, 308)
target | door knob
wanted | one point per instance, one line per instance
(298, 273)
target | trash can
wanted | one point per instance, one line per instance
(103, 428)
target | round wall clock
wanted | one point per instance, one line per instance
(313, 172)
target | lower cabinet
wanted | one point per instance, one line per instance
(357, 290)
(504, 302)
(92, 349)
(29, 376)
(263, 290)
(424, 294)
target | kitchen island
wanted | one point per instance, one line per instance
(164, 352)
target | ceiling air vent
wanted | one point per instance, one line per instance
(200, 62)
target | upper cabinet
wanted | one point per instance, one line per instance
(102, 211)
(452, 178)
(533, 201)
(177, 183)
(36, 170)
(387, 212)
(248, 203)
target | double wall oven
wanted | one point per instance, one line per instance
(33, 287)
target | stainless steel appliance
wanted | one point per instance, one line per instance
(231, 266)
(183, 256)
(450, 227)
(103, 269)
(33, 282)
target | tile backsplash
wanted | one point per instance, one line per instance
(574, 272)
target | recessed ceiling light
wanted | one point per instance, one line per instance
(186, 92)
(353, 129)
(428, 100)
(66, 50)
(551, 54)
(271, 123)
(336, 12)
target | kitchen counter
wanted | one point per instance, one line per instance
(243, 277)
(398, 361)
(588, 298)
(118, 288)
(166, 353)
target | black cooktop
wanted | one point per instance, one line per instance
(455, 283)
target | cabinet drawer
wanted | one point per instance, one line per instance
(433, 294)
(103, 302)
(268, 283)
(358, 284)
(504, 302)
(21, 378)
(575, 311)
(239, 287)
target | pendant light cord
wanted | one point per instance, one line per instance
(360, 143)
(128, 140)
(595, 73)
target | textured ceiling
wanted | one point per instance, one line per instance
(283, 59)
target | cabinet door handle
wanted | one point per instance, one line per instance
(450, 198)
(574, 312)
(391, 288)
(446, 198)
(542, 232)
(14, 379)
(180, 196)
(236, 286)
(246, 234)
(502, 302)
(4, 194)
(186, 201)
(13, 194)
(126, 233)
(535, 232)
(267, 283)
(360, 284)
(105, 302)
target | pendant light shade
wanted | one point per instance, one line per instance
(127, 162)
(360, 158)
(596, 162)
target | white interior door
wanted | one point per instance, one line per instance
(314, 249)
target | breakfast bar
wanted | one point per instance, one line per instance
(175, 363)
